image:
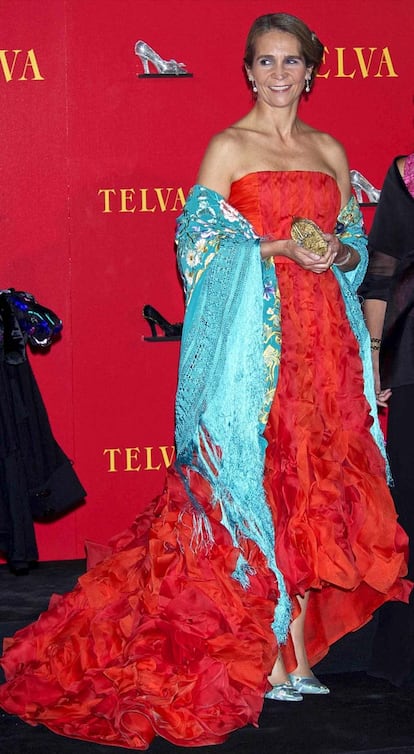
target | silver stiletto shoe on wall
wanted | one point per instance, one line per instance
(163, 67)
(362, 184)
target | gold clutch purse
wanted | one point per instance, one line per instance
(306, 233)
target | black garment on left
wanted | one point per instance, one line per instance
(37, 480)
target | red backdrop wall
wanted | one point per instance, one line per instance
(95, 165)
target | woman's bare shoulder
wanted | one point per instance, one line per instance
(327, 143)
(220, 160)
(228, 139)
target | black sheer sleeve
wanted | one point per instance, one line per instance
(390, 277)
(378, 279)
(390, 237)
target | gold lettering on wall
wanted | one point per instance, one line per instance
(348, 62)
(387, 62)
(20, 65)
(130, 200)
(148, 458)
(127, 197)
(343, 62)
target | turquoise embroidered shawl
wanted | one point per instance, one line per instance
(230, 353)
(354, 235)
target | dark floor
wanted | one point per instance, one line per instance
(363, 715)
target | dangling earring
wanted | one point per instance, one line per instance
(254, 87)
(307, 86)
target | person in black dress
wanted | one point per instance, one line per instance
(388, 293)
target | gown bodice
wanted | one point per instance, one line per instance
(270, 199)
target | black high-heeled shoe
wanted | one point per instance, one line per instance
(155, 319)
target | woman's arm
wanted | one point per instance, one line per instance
(374, 313)
(217, 166)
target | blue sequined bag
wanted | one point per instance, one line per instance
(38, 324)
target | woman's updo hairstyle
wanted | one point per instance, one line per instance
(312, 49)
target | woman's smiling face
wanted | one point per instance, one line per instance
(278, 68)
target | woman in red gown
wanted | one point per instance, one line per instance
(161, 637)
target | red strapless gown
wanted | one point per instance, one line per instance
(158, 640)
(335, 521)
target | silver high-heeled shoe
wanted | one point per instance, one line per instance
(284, 692)
(362, 184)
(164, 67)
(308, 685)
